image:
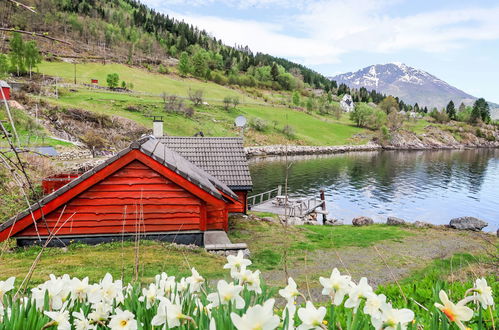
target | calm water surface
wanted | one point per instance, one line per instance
(432, 186)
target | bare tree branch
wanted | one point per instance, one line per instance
(41, 35)
(17, 3)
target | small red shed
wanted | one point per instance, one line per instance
(94, 81)
(147, 188)
(5, 94)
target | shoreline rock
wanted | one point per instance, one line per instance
(468, 223)
(394, 221)
(362, 221)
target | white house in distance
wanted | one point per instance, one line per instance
(346, 103)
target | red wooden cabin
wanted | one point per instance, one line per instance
(147, 188)
(5, 89)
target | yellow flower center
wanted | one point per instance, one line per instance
(123, 323)
(450, 315)
(257, 326)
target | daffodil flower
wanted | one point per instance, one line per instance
(290, 292)
(60, 319)
(234, 263)
(391, 318)
(311, 317)
(336, 286)
(373, 305)
(81, 322)
(6, 286)
(195, 281)
(456, 313)
(226, 293)
(357, 293)
(123, 320)
(257, 317)
(483, 293)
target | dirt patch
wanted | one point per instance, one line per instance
(396, 259)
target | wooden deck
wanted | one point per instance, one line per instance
(294, 208)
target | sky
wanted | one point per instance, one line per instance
(455, 40)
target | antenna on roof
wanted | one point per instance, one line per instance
(240, 122)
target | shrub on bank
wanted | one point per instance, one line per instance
(243, 303)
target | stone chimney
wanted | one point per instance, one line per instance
(157, 127)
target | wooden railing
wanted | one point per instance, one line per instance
(265, 196)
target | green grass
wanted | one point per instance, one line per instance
(95, 261)
(324, 237)
(309, 129)
(143, 80)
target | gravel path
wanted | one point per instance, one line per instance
(402, 257)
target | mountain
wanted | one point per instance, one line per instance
(409, 84)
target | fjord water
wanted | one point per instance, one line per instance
(431, 186)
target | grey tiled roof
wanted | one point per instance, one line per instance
(222, 157)
(153, 148)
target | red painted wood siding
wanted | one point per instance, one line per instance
(136, 193)
(241, 204)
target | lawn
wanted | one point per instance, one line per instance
(307, 128)
(143, 80)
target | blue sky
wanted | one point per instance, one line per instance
(457, 41)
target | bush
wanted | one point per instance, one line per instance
(439, 116)
(395, 121)
(113, 80)
(377, 119)
(163, 69)
(289, 131)
(336, 111)
(189, 112)
(259, 125)
(196, 96)
(360, 115)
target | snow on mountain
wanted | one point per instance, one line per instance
(410, 84)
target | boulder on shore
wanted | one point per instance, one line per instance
(394, 221)
(333, 222)
(468, 223)
(362, 221)
(422, 224)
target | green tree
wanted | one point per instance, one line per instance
(451, 110)
(184, 65)
(4, 65)
(462, 108)
(274, 71)
(296, 98)
(113, 79)
(17, 55)
(32, 56)
(361, 114)
(310, 104)
(389, 104)
(200, 64)
(480, 111)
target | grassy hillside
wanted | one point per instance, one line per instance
(306, 128)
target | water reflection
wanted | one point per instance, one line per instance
(432, 186)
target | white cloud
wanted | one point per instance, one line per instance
(332, 28)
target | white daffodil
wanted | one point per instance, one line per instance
(79, 288)
(94, 294)
(169, 314)
(289, 312)
(483, 293)
(455, 312)
(111, 290)
(195, 281)
(57, 290)
(226, 292)
(311, 317)
(357, 293)
(81, 322)
(391, 318)
(234, 263)
(6, 286)
(257, 317)
(100, 312)
(150, 295)
(123, 320)
(60, 319)
(249, 278)
(213, 324)
(373, 305)
(336, 286)
(290, 292)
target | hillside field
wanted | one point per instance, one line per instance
(212, 118)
